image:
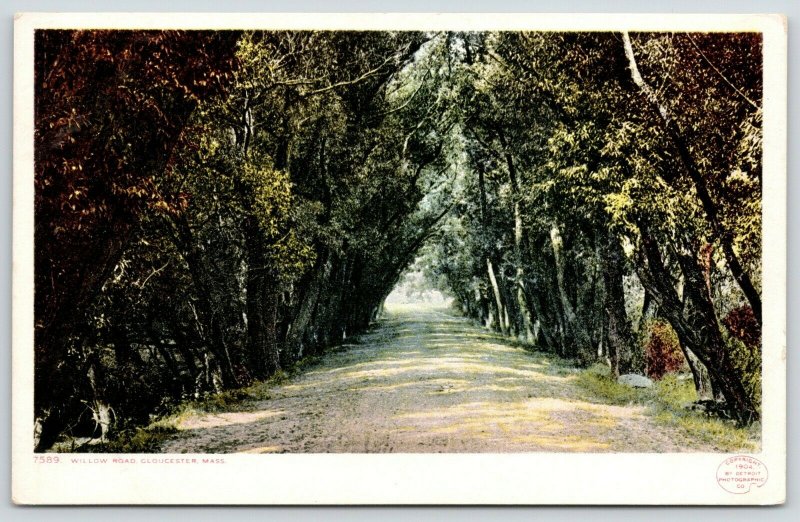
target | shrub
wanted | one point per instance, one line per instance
(663, 353)
(744, 346)
(742, 324)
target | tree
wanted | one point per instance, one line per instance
(110, 106)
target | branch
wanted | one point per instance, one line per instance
(154, 272)
(637, 76)
(368, 74)
(405, 104)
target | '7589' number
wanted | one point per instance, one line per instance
(46, 459)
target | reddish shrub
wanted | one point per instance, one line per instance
(742, 324)
(662, 353)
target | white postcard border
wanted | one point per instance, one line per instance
(328, 479)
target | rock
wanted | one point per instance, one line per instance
(635, 381)
(695, 406)
(711, 408)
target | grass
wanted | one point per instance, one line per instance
(599, 384)
(667, 402)
(138, 440)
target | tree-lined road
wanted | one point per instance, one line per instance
(213, 206)
(423, 380)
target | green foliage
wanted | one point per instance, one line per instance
(747, 360)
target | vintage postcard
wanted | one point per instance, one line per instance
(399, 259)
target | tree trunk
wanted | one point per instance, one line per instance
(618, 334)
(295, 340)
(206, 315)
(524, 316)
(698, 329)
(575, 329)
(702, 380)
(501, 313)
(545, 328)
(262, 308)
(724, 236)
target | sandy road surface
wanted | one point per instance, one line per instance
(425, 381)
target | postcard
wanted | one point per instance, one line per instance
(328, 259)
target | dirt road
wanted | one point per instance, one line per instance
(423, 380)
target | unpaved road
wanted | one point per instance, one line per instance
(425, 381)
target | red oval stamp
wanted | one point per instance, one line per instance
(739, 474)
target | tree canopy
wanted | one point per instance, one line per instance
(211, 207)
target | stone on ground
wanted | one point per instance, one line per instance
(635, 381)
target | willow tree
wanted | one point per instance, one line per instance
(110, 106)
(615, 155)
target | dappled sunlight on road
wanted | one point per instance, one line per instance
(423, 380)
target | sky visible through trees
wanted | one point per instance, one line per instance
(212, 207)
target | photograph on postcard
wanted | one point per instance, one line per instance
(374, 240)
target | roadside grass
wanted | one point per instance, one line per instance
(667, 403)
(138, 440)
